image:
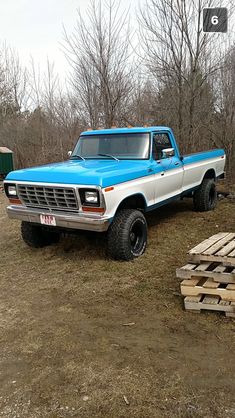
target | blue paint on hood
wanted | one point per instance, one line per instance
(90, 172)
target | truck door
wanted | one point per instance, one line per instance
(169, 170)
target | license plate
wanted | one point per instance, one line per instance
(47, 220)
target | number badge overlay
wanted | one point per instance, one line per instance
(215, 19)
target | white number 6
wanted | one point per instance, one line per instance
(214, 20)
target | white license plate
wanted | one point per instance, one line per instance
(47, 220)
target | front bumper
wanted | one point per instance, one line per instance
(63, 220)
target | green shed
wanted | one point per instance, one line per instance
(6, 161)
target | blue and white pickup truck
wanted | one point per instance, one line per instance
(111, 179)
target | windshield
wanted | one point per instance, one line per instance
(128, 146)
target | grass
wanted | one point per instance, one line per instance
(64, 349)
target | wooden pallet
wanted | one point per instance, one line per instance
(212, 270)
(204, 286)
(212, 303)
(219, 248)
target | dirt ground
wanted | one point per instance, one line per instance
(64, 348)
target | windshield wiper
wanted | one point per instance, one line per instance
(108, 155)
(77, 156)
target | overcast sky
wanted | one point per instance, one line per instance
(34, 27)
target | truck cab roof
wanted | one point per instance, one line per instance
(133, 130)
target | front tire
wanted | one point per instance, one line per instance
(36, 236)
(205, 197)
(127, 235)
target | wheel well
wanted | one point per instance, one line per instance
(136, 201)
(210, 174)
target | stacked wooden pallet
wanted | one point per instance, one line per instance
(209, 278)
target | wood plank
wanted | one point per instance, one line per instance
(224, 302)
(195, 299)
(218, 274)
(232, 254)
(183, 274)
(207, 243)
(227, 249)
(190, 282)
(195, 258)
(189, 266)
(211, 300)
(195, 290)
(225, 279)
(199, 258)
(211, 284)
(231, 314)
(203, 266)
(230, 287)
(191, 306)
(220, 269)
(218, 245)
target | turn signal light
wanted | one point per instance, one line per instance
(15, 201)
(92, 209)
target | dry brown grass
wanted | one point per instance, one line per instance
(62, 338)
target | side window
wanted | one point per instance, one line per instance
(160, 142)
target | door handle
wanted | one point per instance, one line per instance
(162, 173)
(177, 163)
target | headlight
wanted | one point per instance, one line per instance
(11, 190)
(91, 197)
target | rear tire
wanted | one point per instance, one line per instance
(127, 235)
(205, 197)
(36, 236)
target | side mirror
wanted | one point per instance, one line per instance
(69, 153)
(168, 152)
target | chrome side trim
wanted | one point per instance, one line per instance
(92, 222)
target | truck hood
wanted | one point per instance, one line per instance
(90, 172)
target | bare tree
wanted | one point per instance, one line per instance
(181, 56)
(13, 79)
(98, 51)
(185, 80)
(222, 127)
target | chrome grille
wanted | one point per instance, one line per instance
(58, 198)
